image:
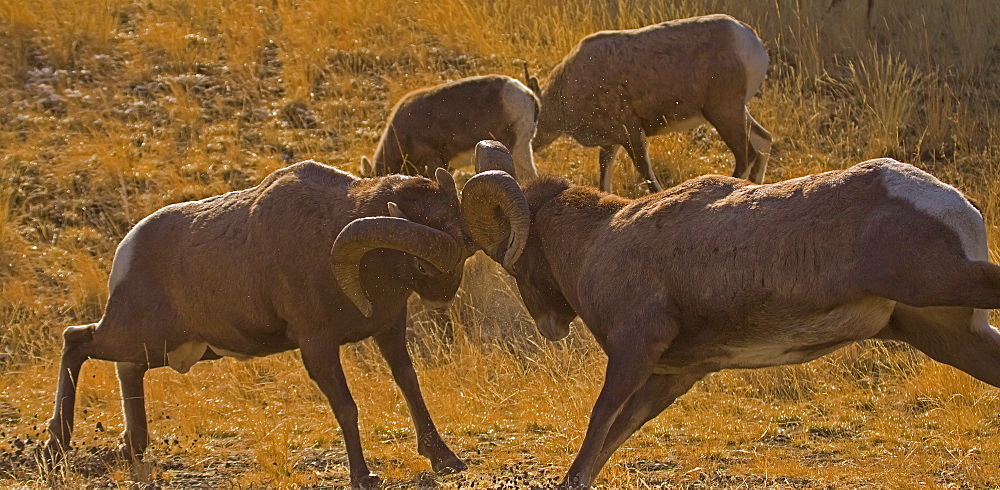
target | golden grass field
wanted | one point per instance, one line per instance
(111, 109)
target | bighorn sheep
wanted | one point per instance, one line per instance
(304, 260)
(439, 126)
(719, 273)
(615, 88)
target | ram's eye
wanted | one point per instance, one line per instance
(423, 267)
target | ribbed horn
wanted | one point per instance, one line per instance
(493, 155)
(496, 214)
(364, 234)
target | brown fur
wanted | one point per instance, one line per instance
(720, 273)
(615, 88)
(429, 127)
(249, 272)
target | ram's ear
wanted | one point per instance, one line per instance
(395, 212)
(533, 85)
(531, 81)
(366, 169)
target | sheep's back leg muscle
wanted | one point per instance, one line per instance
(760, 138)
(960, 337)
(76, 348)
(731, 119)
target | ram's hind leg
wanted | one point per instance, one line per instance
(606, 159)
(957, 336)
(940, 278)
(109, 340)
(760, 138)
(77, 343)
(524, 159)
(736, 128)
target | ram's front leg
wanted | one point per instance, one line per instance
(321, 357)
(392, 344)
(653, 397)
(136, 435)
(632, 355)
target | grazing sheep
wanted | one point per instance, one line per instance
(304, 260)
(616, 88)
(719, 273)
(439, 126)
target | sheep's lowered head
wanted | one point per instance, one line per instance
(432, 264)
(439, 126)
(510, 243)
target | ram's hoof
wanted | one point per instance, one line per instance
(370, 481)
(450, 466)
(49, 454)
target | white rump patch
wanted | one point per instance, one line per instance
(940, 201)
(519, 105)
(123, 256)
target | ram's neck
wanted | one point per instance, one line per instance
(567, 227)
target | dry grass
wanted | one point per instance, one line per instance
(111, 109)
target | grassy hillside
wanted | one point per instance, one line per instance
(110, 109)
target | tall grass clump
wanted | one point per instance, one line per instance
(885, 88)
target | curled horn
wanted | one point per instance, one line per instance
(364, 234)
(493, 155)
(493, 206)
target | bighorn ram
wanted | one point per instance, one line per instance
(304, 260)
(439, 126)
(719, 273)
(616, 88)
